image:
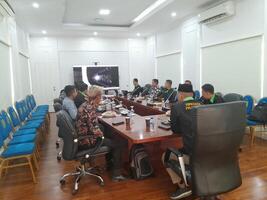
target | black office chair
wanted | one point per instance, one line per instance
(58, 107)
(214, 167)
(233, 97)
(70, 151)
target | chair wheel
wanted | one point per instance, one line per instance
(74, 192)
(59, 158)
(62, 182)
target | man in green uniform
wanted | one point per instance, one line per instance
(137, 88)
(208, 95)
(168, 93)
(181, 122)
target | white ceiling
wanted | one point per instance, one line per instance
(54, 16)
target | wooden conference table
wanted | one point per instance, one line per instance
(138, 134)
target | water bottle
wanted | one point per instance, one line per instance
(152, 122)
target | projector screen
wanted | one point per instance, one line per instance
(104, 76)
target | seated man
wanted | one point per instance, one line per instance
(208, 95)
(154, 90)
(168, 93)
(68, 102)
(181, 123)
(188, 82)
(137, 88)
(80, 99)
(87, 124)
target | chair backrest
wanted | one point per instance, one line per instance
(232, 97)
(197, 94)
(214, 160)
(13, 116)
(68, 134)
(263, 100)
(28, 103)
(21, 110)
(250, 103)
(33, 101)
(57, 107)
(6, 126)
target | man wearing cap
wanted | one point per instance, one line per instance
(208, 95)
(181, 123)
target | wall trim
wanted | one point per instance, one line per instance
(169, 54)
(24, 55)
(5, 43)
(232, 40)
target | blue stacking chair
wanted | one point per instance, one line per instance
(24, 114)
(39, 107)
(21, 129)
(11, 135)
(42, 110)
(197, 94)
(250, 103)
(15, 151)
(263, 100)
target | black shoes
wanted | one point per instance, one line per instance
(181, 193)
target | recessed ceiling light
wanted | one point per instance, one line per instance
(95, 33)
(138, 34)
(149, 10)
(44, 32)
(104, 12)
(35, 5)
(173, 14)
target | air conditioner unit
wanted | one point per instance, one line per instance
(217, 13)
(5, 9)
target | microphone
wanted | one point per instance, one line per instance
(144, 92)
(167, 100)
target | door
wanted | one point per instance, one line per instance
(45, 82)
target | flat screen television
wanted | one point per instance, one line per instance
(104, 76)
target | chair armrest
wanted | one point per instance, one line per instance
(98, 144)
(176, 152)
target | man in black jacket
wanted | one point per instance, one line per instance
(137, 88)
(208, 95)
(181, 123)
(80, 98)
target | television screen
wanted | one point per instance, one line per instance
(103, 76)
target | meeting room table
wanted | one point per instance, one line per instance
(154, 138)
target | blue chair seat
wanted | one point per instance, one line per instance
(253, 123)
(30, 138)
(24, 132)
(30, 126)
(18, 150)
(36, 115)
(31, 122)
(36, 119)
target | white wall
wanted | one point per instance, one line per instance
(14, 76)
(211, 52)
(135, 58)
(168, 56)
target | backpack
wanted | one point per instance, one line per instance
(259, 113)
(140, 165)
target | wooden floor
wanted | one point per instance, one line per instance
(17, 185)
